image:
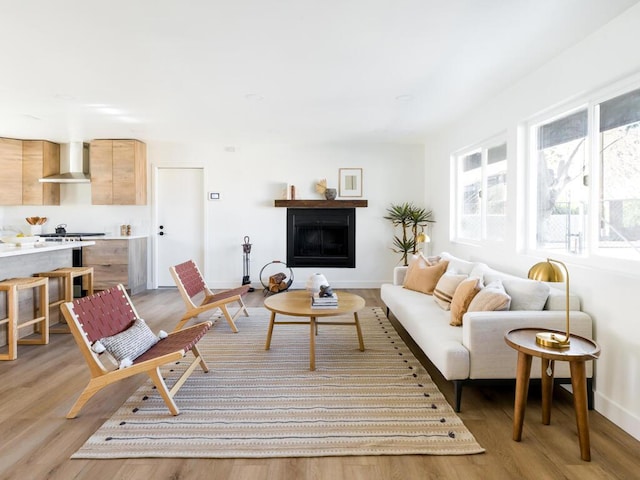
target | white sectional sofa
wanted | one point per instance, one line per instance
(476, 351)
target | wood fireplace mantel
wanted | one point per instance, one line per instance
(321, 203)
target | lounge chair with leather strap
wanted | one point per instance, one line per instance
(198, 298)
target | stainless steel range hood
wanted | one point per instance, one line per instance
(74, 164)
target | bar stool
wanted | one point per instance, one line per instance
(12, 286)
(65, 275)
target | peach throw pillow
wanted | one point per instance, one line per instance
(422, 276)
(490, 298)
(462, 297)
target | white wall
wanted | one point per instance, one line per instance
(249, 180)
(76, 212)
(610, 296)
(252, 177)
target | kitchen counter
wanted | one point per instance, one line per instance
(9, 250)
(25, 261)
(119, 237)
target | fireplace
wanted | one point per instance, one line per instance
(321, 237)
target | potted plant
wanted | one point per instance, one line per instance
(409, 218)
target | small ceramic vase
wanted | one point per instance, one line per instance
(315, 282)
(330, 193)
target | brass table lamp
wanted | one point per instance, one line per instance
(550, 272)
(422, 238)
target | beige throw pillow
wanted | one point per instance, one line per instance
(446, 287)
(491, 298)
(423, 277)
(462, 298)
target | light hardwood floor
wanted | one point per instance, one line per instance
(36, 440)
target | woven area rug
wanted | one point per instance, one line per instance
(257, 403)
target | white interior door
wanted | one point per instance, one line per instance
(179, 220)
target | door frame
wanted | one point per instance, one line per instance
(154, 215)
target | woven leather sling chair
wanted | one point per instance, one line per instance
(191, 286)
(97, 318)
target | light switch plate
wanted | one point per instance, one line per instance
(214, 196)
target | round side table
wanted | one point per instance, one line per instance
(577, 354)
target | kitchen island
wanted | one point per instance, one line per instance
(118, 259)
(26, 260)
(9, 250)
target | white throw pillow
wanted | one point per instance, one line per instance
(457, 265)
(526, 294)
(129, 344)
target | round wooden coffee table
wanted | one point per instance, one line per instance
(298, 304)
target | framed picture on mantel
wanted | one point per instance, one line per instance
(350, 184)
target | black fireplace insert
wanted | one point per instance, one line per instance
(321, 237)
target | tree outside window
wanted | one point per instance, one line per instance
(567, 185)
(562, 195)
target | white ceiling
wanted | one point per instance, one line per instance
(233, 71)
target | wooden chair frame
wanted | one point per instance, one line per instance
(109, 312)
(190, 283)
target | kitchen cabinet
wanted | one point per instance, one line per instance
(118, 172)
(11, 168)
(118, 260)
(40, 158)
(23, 163)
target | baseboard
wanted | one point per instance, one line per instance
(617, 414)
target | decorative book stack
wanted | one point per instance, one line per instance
(330, 301)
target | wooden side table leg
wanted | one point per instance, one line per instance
(522, 389)
(360, 340)
(547, 389)
(312, 344)
(579, 384)
(270, 331)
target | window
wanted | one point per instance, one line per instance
(481, 192)
(586, 166)
(619, 195)
(562, 197)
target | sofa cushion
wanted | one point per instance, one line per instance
(446, 287)
(557, 299)
(428, 325)
(526, 294)
(479, 270)
(492, 297)
(457, 265)
(462, 298)
(423, 277)
(432, 260)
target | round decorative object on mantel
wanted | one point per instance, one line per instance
(330, 193)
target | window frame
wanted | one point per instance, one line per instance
(531, 173)
(457, 193)
(593, 254)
